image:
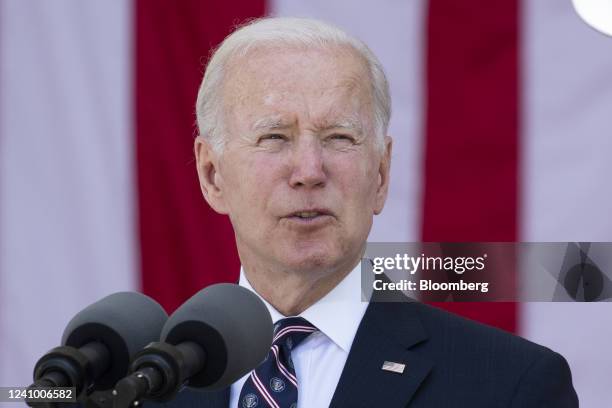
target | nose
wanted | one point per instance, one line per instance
(307, 164)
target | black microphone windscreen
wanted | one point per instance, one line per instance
(231, 324)
(124, 322)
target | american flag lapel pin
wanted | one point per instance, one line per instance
(393, 367)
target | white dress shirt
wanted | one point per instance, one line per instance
(319, 359)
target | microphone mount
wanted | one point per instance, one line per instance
(158, 372)
(68, 366)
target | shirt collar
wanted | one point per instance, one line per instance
(337, 314)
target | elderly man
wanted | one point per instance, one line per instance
(293, 115)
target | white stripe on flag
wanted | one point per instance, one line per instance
(567, 195)
(66, 185)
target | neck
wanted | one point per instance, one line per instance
(293, 292)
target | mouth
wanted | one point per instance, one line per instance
(317, 216)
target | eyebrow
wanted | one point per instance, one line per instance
(346, 123)
(270, 122)
(276, 122)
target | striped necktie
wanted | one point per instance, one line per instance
(273, 383)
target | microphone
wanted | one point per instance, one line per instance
(213, 339)
(98, 342)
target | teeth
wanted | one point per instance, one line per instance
(307, 214)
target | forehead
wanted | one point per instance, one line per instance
(327, 84)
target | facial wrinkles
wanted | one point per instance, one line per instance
(254, 83)
(311, 104)
(315, 114)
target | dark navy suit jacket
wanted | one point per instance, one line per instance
(449, 362)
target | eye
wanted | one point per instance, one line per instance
(272, 137)
(341, 137)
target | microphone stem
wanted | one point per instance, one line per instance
(151, 377)
(98, 356)
(52, 379)
(194, 358)
(136, 386)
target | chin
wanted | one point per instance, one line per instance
(313, 261)
(319, 255)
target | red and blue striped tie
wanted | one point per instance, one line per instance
(273, 383)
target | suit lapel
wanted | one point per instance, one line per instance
(386, 333)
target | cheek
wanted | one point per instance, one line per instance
(358, 182)
(250, 183)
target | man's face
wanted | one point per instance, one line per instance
(300, 175)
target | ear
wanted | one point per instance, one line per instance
(211, 181)
(384, 171)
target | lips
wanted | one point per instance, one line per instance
(309, 214)
(309, 219)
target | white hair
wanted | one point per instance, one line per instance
(287, 31)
